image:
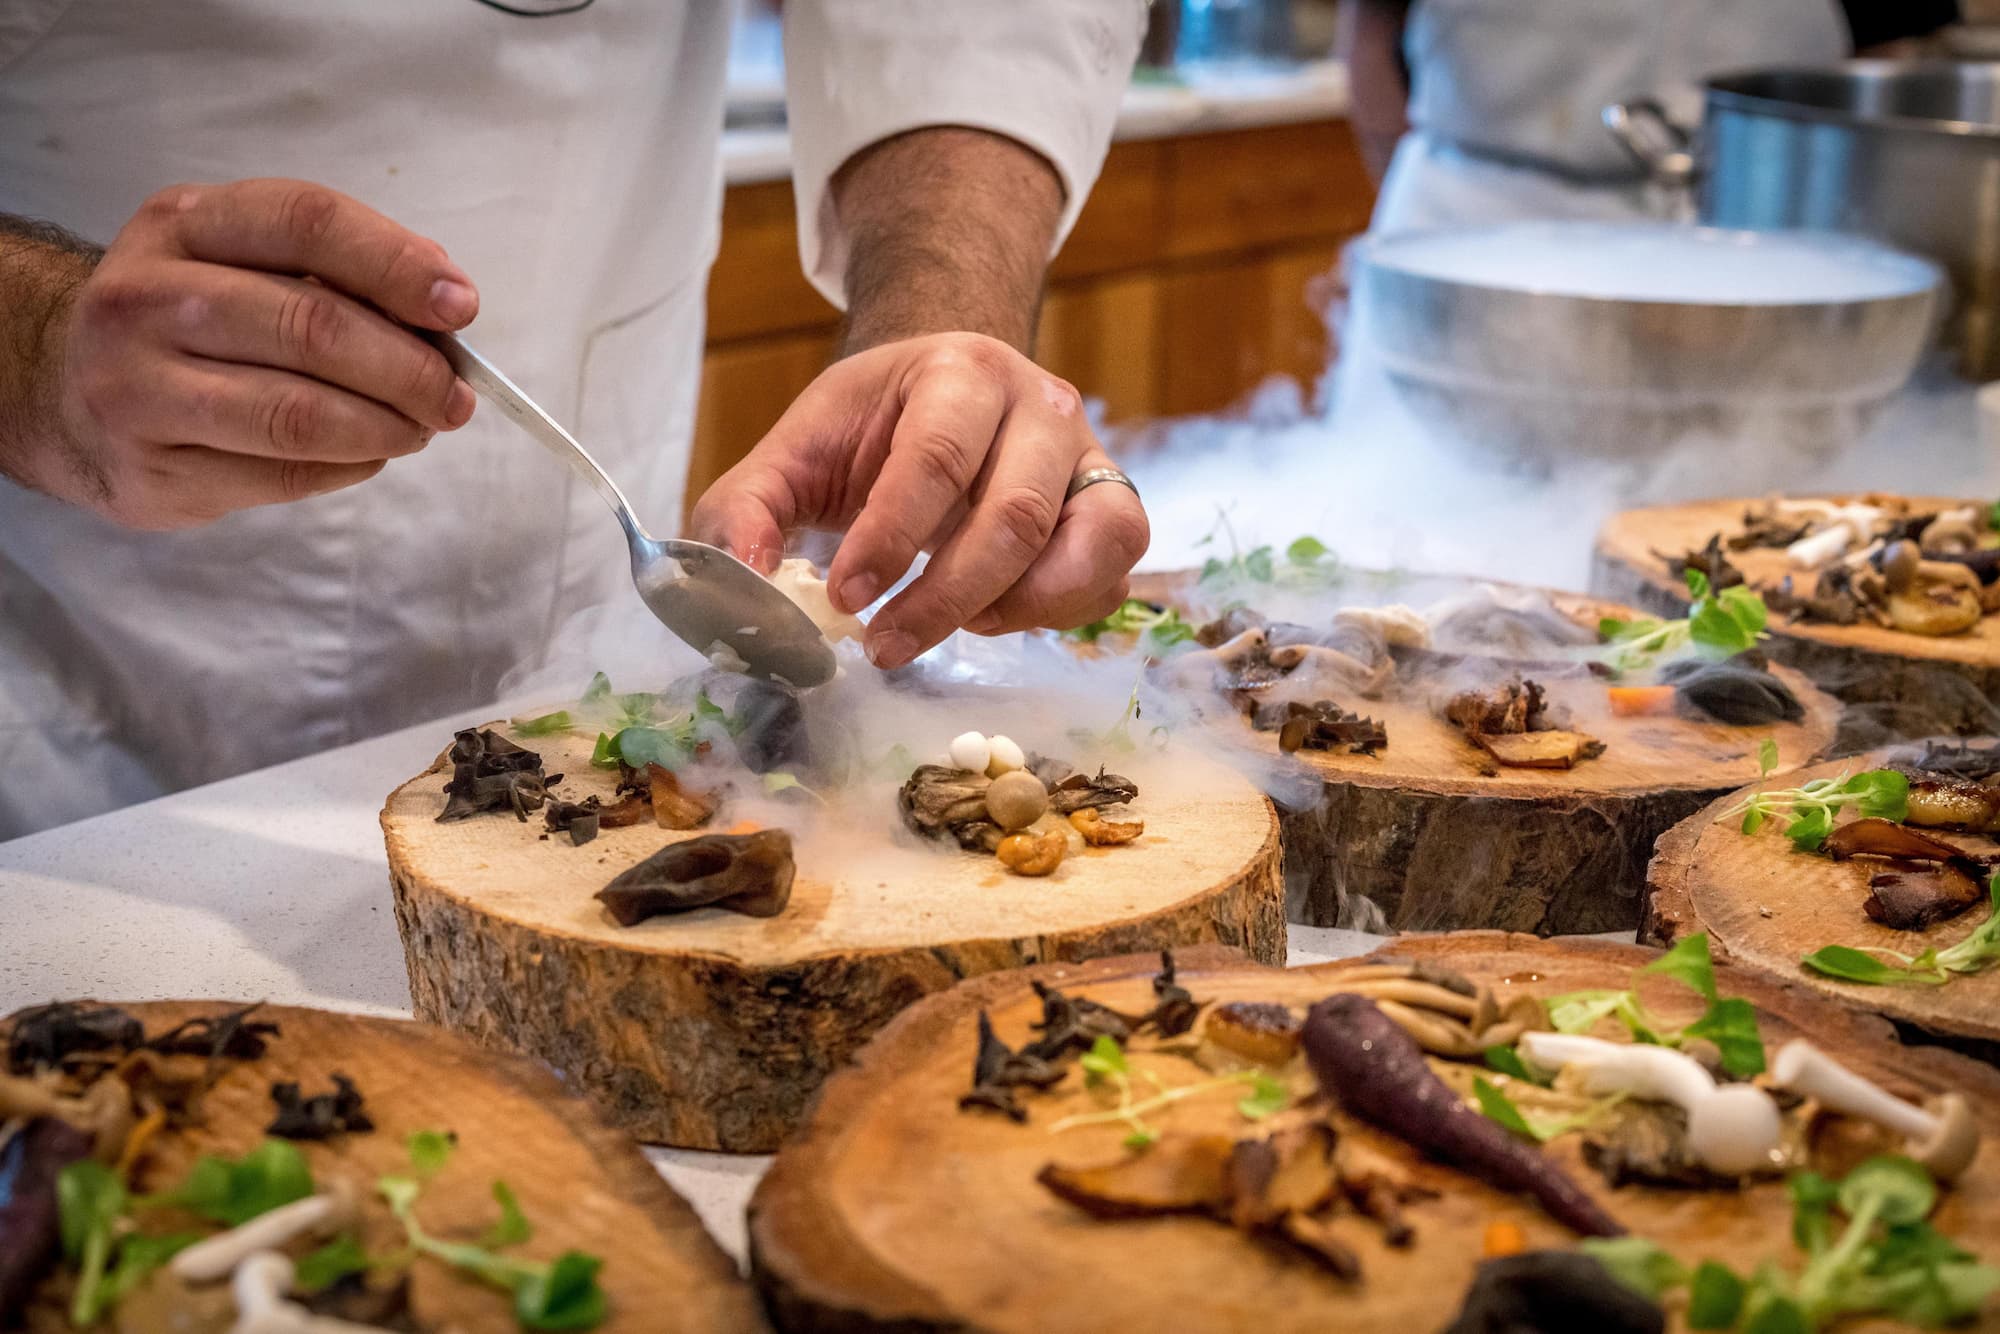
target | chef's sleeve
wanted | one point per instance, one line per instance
(1047, 73)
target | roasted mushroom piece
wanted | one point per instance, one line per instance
(491, 773)
(1078, 791)
(746, 873)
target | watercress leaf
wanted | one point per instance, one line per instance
(1883, 792)
(564, 1296)
(598, 690)
(707, 710)
(1852, 965)
(605, 754)
(1776, 1313)
(331, 1263)
(1105, 1057)
(1745, 606)
(513, 1227)
(1267, 1097)
(1306, 550)
(668, 747)
(400, 1193)
(1498, 1108)
(1714, 626)
(1813, 1197)
(1899, 1188)
(139, 1255)
(1958, 1291)
(89, 1198)
(1688, 962)
(1637, 1263)
(546, 725)
(1715, 1297)
(1753, 819)
(1809, 829)
(230, 1192)
(1257, 564)
(1767, 757)
(1508, 1062)
(1731, 1024)
(1580, 1011)
(1211, 569)
(1913, 1246)
(1141, 1139)
(430, 1150)
(1697, 582)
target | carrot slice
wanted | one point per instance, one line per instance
(1640, 701)
(1503, 1239)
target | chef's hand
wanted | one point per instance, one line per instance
(239, 345)
(954, 444)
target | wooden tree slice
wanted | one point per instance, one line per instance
(1910, 685)
(891, 1209)
(581, 1185)
(1437, 837)
(713, 1030)
(1766, 905)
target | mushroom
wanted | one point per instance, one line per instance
(1327, 669)
(262, 1282)
(1899, 562)
(746, 873)
(1099, 832)
(1221, 666)
(1732, 1129)
(216, 1257)
(1027, 854)
(1398, 625)
(1016, 799)
(1952, 532)
(1942, 1134)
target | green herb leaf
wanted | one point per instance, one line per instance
(1689, 962)
(1697, 582)
(668, 747)
(1267, 1097)
(1306, 550)
(1813, 1198)
(1767, 760)
(1899, 1189)
(1105, 1058)
(430, 1150)
(1753, 820)
(1508, 1062)
(605, 754)
(513, 1228)
(1776, 1313)
(1211, 569)
(1637, 1263)
(1731, 1024)
(565, 1296)
(1852, 965)
(331, 1263)
(1498, 1108)
(546, 725)
(233, 1191)
(1141, 1138)
(1257, 564)
(89, 1199)
(598, 690)
(1810, 829)
(1884, 793)
(1580, 1011)
(1715, 1297)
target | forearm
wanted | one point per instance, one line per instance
(1371, 41)
(950, 229)
(41, 266)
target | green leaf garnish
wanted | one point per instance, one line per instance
(1715, 1297)
(232, 1191)
(1307, 550)
(1730, 1023)
(1498, 1108)
(331, 1263)
(546, 725)
(1767, 759)
(1934, 967)
(1267, 1097)
(1806, 813)
(430, 1150)
(513, 1228)
(1637, 1263)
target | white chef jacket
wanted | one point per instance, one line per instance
(569, 163)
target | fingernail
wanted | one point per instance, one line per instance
(458, 408)
(892, 648)
(859, 591)
(985, 623)
(453, 302)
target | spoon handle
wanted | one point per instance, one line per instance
(490, 384)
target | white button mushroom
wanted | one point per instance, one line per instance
(970, 750)
(218, 1256)
(1006, 757)
(1732, 1129)
(1942, 1135)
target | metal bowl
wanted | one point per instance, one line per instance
(1551, 340)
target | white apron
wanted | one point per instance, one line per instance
(569, 163)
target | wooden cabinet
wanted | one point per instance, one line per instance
(1184, 285)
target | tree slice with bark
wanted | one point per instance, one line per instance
(1898, 685)
(713, 1030)
(1429, 834)
(893, 1210)
(581, 1184)
(1766, 905)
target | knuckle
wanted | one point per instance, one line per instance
(428, 380)
(111, 302)
(412, 256)
(944, 453)
(298, 479)
(291, 419)
(1024, 517)
(167, 203)
(306, 213)
(310, 325)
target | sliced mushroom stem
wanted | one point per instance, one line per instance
(1424, 995)
(217, 1257)
(1944, 1136)
(261, 1285)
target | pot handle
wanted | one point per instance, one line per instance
(1664, 149)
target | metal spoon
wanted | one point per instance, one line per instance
(700, 592)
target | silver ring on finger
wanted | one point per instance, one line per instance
(1090, 477)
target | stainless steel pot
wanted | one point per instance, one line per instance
(1904, 151)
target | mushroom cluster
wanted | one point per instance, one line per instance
(991, 796)
(1928, 574)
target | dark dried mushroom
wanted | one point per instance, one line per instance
(1228, 626)
(1954, 759)
(1180, 1174)
(1175, 1009)
(1711, 560)
(491, 773)
(938, 801)
(1321, 725)
(1911, 896)
(233, 1034)
(1876, 837)
(1552, 1292)
(579, 819)
(746, 873)
(1734, 692)
(1077, 791)
(1289, 1173)
(1506, 710)
(47, 1035)
(321, 1116)
(1767, 528)
(1071, 1024)
(998, 1070)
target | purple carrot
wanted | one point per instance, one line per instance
(29, 1231)
(1377, 1072)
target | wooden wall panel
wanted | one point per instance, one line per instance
(1102, 336)
(745, 388)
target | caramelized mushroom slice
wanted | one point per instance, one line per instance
(1912, 896)
(1292, 1172)
(746, 873)
(1258, 1031)
(1875, 837)
(674, 806)
(1540, 750)
(1953, 803)
(1178, 1174)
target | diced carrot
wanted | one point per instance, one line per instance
(744, 827)
(135, 1143)
(1639, 701)
(1503, 1239)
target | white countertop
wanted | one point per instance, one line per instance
(275, 886)
(1199, 101)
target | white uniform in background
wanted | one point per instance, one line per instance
(1506, 97)
(569, 163)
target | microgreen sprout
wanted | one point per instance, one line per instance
(1806, 813)
(1105, 1066)
(1719, 623)
(1729, 1021)
(1875, 966)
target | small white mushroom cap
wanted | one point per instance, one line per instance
(215, 1258)
(970, 750)
(260, 1288)
(1732, 1129)
(1944, 1136)
(1006, 757)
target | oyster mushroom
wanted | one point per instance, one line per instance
(1943, 1134)
(1953, 532)
(1236, 664)
(1099, 832)
(746, 873)
(1322, 670)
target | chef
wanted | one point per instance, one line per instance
(246, 514)
(1503, 99)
